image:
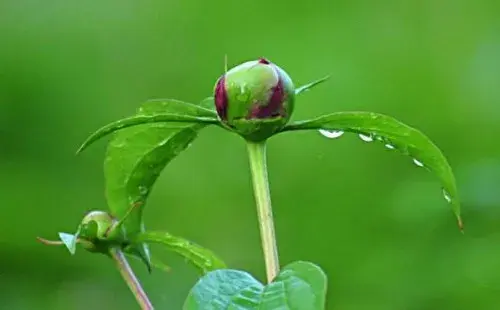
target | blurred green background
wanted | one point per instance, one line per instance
(374, 221)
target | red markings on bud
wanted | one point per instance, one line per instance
(254, 98)
(264, 61)
(221, 98)
(273, 108)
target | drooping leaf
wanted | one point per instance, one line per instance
(308, 86)
(69, 241)
(394, 135)
(137, 155)
(299, 286)
(204, 259)
(155, 262)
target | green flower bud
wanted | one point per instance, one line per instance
(102, 221)
(255, 99)
(98, 229)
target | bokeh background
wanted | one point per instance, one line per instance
(375, 222)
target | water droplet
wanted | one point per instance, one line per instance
(390, 146)
(446, 196)
(366, 138)
(143, 190)
(417, 162)
(118, 144)
(331, 134)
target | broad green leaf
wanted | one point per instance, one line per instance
(394, 135)
(200, 257)
(137, 155)
(308, 86)
(299, 286)
(69, 241)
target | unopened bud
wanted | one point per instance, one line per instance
(255, 99)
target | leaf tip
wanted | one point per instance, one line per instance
(460, 224)
(82, 147)
(323, 79)
(310, 85)
(225, 63)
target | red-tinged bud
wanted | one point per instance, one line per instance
(255, 99)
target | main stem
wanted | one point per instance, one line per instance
(258, 167)
(130, 278)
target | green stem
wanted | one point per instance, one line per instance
(258, 167)
(130, 278)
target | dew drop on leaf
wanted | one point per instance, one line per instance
(417, 162)
(143, 190)
(119, 144)
(394, 135)
(446, 196)
(331, 134)
(366, 138)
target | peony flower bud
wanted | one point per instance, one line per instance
(97, 226)
(104, 223)
(255, 99)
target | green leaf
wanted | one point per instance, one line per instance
(394, 135)
(156, 263)
(299, 286)
(137, 155)
(69, 241)
(144, 119)
(202, 258)
(308, 86)
(209, 104)
(168, 111)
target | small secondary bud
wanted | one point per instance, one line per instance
(103, 220)
(101, 230)
(255, 99)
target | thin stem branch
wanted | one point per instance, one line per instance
(258, 167)
(130, 278)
